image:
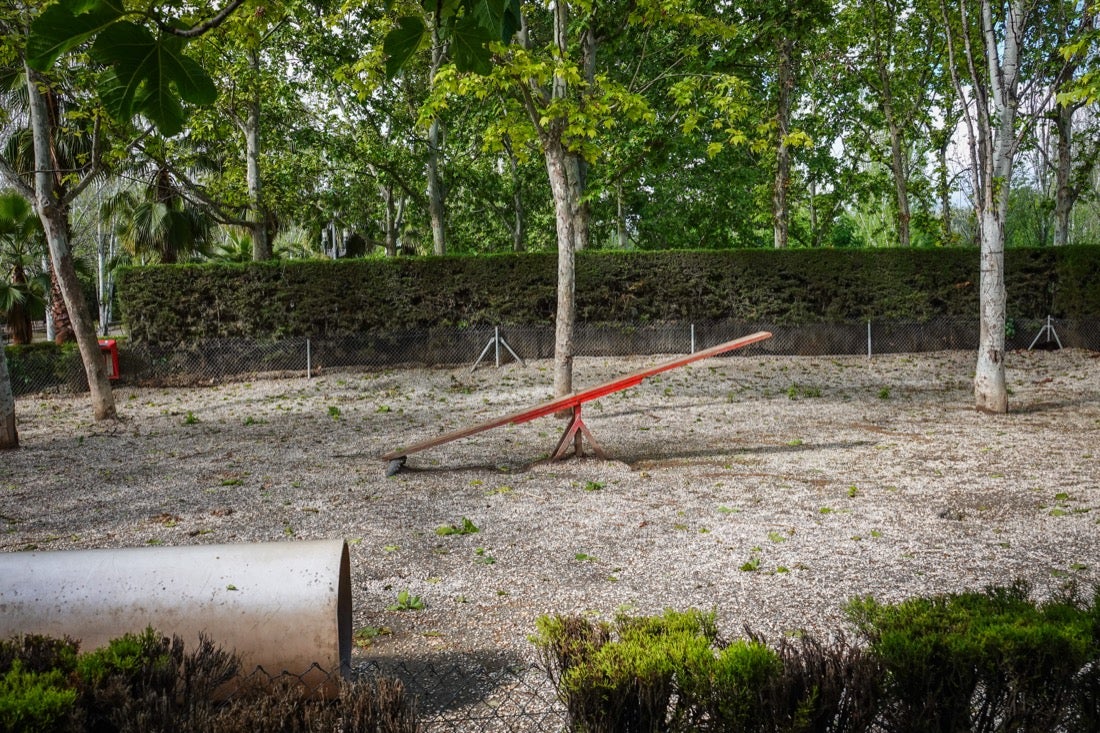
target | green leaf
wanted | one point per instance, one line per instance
(402, 42)
(149, 76)
(469, 46)
(65, 26)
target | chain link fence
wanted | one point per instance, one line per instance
(215, 360)
(471, 694)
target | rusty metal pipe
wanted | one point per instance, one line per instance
(282, 606)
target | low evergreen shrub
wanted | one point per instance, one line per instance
(984, 661)
(990, 661)
(146, 683)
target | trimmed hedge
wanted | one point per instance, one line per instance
(171, 304)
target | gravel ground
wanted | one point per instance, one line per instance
(771, 489)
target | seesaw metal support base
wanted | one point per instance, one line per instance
(572, 440)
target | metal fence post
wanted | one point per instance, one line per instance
(868, 338)
(693, 338)
(309, 359)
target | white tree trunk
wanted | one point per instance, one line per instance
(997, 150)
(435, 191)
(54, 216)
(990, 390)
(566, 310)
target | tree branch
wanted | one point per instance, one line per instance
(203, 27)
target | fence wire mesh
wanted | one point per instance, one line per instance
(224, 359)
(469, 694)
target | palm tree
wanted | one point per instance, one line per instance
(158, 224)
(22, 244)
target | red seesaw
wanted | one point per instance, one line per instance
(575, 433)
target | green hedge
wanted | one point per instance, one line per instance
(169, 304)
(980, 662)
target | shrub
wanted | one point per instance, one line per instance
(663, 673)
(145, 682)
(982, 661)
(33, 702)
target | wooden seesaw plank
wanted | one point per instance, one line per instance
(576, 429)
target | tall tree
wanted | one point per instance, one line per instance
(988, 64)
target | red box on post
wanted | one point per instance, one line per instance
(109, 349)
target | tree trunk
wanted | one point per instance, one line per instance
(19, 318)
(621, 236)
(9, 436)
(990, 389)
(389, 225)
(63, 332)
(899, 165)
(435, 191)
(780, 205)
(53, 213)
(943, 187)
(257, 215)
(519, 223)
(557, 169)
(436, 210)
(996, 153)
(566, 310)
(1065, 194)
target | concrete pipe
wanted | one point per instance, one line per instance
(282, 606)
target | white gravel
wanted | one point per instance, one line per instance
(834, 476)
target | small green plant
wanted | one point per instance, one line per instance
(364, 637)
(466, 527)
(884, 393)
(190, 419)
(384, 408)
(334, 412)
(853, 492)
(406, 602)
(795, 392)
(776, 537)
(585, 557)
(483, 557)
(593, 486)
(752, 564)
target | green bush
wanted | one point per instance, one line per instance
(982, 661)
(35, 702)
(979, 662)
(661, 673)
(145, 682)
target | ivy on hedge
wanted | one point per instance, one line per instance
(171, 304)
